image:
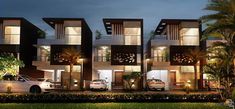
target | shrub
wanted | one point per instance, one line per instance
(100, 98)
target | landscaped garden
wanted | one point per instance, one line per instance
(113, 106)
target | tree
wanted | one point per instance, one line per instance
(222, 20)
(221, 23)
(131, 79)
(70, 55)
(223, 55)
(196, 55)
(97, 34)
(9, 64)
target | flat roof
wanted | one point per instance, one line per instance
(109, 21)
(162, 25)
(52, 21)
(19, 18)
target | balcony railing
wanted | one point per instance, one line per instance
(161, 58)
(160, 37)
(102, 58)
(42, 58)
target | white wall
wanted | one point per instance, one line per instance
(106, 75)
(159, 74)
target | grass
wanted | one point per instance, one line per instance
(112, 106)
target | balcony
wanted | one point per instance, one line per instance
(102, 59)
(161, 61)
(41, 61)
(50, 41)
(110, 40)
(159, 40)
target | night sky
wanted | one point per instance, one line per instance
(152, 11)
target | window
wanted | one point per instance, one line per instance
(132, 36)
(73, 35)
(160, 54)
(189, 36)
(132, 69)
(104, 54)
(12, 35)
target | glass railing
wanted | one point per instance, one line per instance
(102, 58)
(160, 37)
(42, 58)
(161, 58)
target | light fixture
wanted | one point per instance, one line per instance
(104, 47)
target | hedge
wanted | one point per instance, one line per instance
(101, 98)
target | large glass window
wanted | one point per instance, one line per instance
(132, 69)
(104, 54)
(160, 54)
(12, 35)
(190, 36)
(132, 36)
(73, 35)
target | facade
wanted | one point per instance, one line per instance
(69, 33)
(174, 37)
(17, 36)
(119, 53)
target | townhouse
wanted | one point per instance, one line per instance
(69, 33)
(119, 53)
(17, 36)
(166, 56)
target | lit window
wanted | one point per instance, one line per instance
(12, 35)
(73, 35)
(132, 36)
(190, 36)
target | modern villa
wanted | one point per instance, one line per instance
(120, 52)
(69, 32)
(173, 39)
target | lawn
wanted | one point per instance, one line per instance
(112, 106)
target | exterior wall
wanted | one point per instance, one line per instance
(85, 48)
(117, 37)
(168, 37)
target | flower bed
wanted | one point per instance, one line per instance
(100, 98)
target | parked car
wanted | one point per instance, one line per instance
(98, 84)
(155, 84)
(23, 83)
(44, 79)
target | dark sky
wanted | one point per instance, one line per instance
(94, 10)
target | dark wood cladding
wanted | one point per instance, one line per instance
(124, 55)
(179, 56)
(28, 37)
(56, 50)
(86, 47)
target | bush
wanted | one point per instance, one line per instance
(100, 98)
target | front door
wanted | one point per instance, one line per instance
(118, 78)
(172, 79)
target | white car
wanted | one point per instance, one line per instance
(155, 84)
(98, 84)
(24, 84)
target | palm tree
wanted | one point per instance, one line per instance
(196, 55)
(222, 20)
(221, 23)
(224, 55)
(70, 55)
